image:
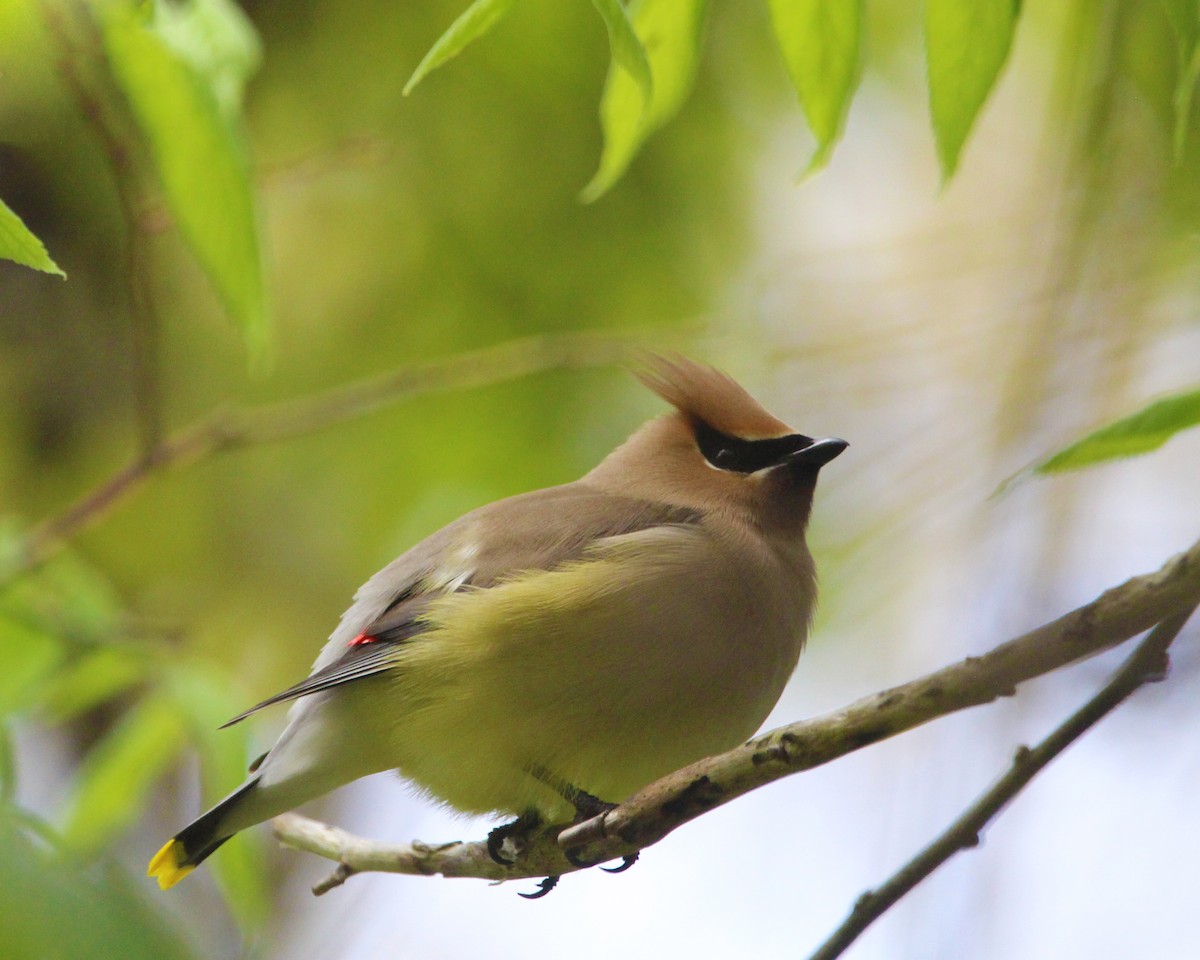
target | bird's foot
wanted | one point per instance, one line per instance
(516, 829)
(588, 806)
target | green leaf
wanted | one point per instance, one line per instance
(75, 597)
(21, 246)
(966, 45)
(117, 774)
(29, 656)
(182, 70)
(90, 681)
(50, 909)
(1139, 433)
(69, 599)
(670, 33)
(1146, 430)
(625, 48)
(821, 44)
(218, 41)
(1184, 18)
(472, 24)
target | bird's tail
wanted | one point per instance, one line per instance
(193, 844)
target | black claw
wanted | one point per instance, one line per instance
(627, 861)
(543, 888)
(495, 842)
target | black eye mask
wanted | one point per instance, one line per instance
(746, 456)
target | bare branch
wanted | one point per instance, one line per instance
(652, 813)
(1148, 662)
(270, 423)
(356, 854)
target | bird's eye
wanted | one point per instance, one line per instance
(721, 450)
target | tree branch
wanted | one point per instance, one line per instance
(270, 423)
(1148, 662)
(652, 813)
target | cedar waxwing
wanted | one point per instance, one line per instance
(568, 644)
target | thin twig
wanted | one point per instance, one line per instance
(644, 819)
(270, 423)
(1148, 662)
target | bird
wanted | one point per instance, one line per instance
(547, 655)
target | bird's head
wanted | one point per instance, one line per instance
(719, 449)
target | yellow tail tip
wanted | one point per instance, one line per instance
(167, 865)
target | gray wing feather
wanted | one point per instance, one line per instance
(533, 531)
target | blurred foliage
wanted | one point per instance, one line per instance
(69, 658)
(385, 232)
(51, 910)
(183, 68)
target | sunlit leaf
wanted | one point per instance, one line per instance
(626, 49)
(1146, 430)
(821, 44)
(474, 22)
(18, 244)
(218, 41)
(1142, 432)
(182, 72)
(117, 774)
(670, 32)
(966, 45)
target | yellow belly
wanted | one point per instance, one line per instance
(607, 673)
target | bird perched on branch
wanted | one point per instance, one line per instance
(547, 655)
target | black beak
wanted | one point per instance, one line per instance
(818, 453)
